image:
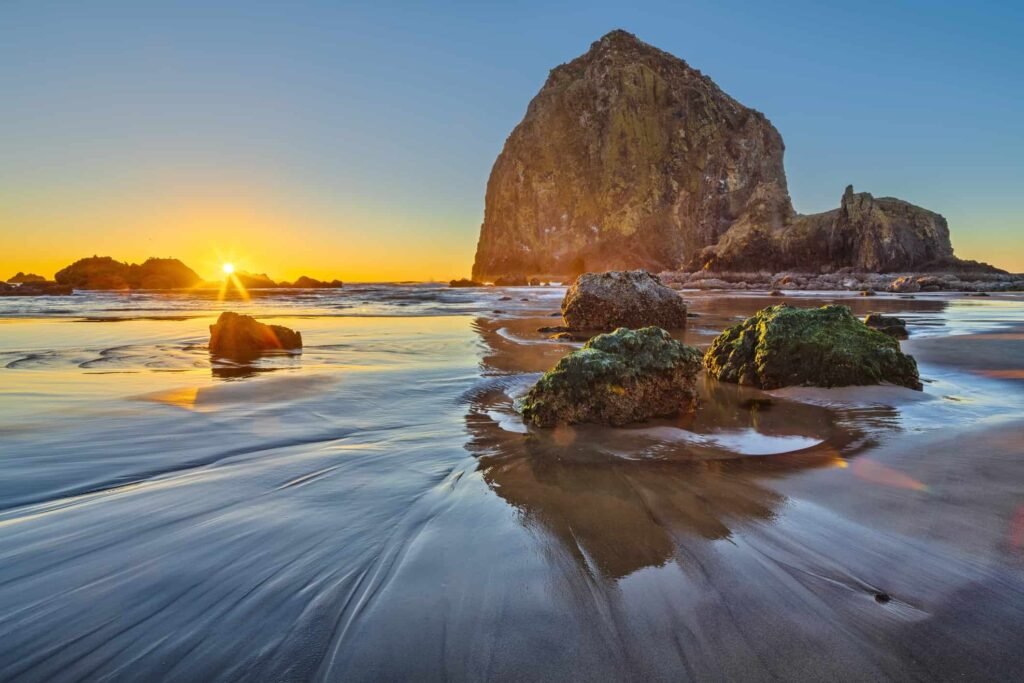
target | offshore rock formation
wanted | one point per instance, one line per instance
(605, 301)
(103, 272)
(882, 235)
(306, 282)
(242, 337)
(630, 158)
(617, 378)
(21, 277)
(627, 158)
(785, 346)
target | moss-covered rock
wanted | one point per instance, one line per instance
(828, 347)
(617, 378)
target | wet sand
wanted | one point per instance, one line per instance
(374, 509)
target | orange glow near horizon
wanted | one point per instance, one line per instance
(249, 229)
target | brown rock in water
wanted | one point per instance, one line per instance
(626, 158)
(463, 282)
(304, 282)
(630, 158)
(633, 299)
(242, 336)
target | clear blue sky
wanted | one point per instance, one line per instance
(367, 131)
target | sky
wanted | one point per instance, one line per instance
(354, 140)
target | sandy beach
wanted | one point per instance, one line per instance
(374, 509)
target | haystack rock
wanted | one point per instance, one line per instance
(630, 158)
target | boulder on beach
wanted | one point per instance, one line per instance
(889, 324)
(827, 347)
(617, 378)
(242, 336)
(634, 299)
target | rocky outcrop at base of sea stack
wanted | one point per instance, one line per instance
(847, 279)
(628, 158)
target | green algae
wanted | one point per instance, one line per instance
(616, 378)
(785, 346)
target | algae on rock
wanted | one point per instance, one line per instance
(785, 346)
(617, 378)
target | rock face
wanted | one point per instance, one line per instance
(630, 158)
(605, 301)
(103, 272)
(241, 337)
(868, 234)
(626, 158)
(617, 378)
(785, 346)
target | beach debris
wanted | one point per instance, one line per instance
(241, 336)
(634, 299)
(889, 324)
(616, 378)
(784, 346)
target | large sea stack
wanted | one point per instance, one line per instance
(630, 158)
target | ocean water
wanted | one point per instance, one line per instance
(373, 508)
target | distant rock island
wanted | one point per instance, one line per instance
(630, 158)
(21, 278)
(104, 272)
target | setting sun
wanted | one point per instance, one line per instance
(228, 268)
